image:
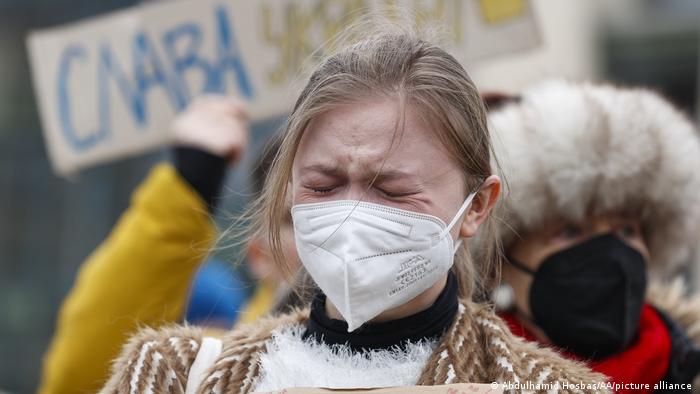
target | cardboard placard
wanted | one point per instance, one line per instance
(109, 86)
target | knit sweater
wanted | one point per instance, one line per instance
(478, 348)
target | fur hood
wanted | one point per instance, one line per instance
(568, 149)
(672, 298)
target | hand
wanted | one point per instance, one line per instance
(215, 124)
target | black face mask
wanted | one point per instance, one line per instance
(588, 299)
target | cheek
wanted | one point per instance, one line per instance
(557, 244)
(296, 195)
(532, 251)
(639, 245)
(443, 196)
(293, 189)
(289, 245)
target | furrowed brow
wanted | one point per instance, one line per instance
(323, 169)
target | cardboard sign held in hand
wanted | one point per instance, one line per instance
(109, 86)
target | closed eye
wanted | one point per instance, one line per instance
(322, 190)
(395, 194)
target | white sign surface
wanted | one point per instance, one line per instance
(109, 86)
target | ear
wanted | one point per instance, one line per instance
(481, 206)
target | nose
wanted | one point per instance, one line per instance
(356, 191)
(602, 226)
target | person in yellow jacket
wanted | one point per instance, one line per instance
(141, 274)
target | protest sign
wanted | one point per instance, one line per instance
(108, 87)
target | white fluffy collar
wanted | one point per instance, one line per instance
(292, 362)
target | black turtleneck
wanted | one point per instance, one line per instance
(429, 324)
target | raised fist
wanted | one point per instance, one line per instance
(215, 124)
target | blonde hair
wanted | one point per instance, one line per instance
(393, 63)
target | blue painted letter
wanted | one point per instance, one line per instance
(74, 52)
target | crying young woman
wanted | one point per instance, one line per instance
(386, 165)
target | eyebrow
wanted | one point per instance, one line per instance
(390, 175)
(323, 169)
(383, 176)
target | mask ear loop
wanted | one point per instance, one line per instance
(467, 202)
(520, 266)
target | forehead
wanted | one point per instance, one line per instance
(373, 132)
(591, 219)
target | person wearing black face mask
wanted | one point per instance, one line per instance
(569, 289)
(603, 205)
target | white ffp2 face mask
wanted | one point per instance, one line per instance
(368, 258)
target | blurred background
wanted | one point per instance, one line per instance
(48, 225)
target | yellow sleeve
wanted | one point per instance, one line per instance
(260, 304)
(140, 275)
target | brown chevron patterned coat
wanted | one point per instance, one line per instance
(478, 348)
